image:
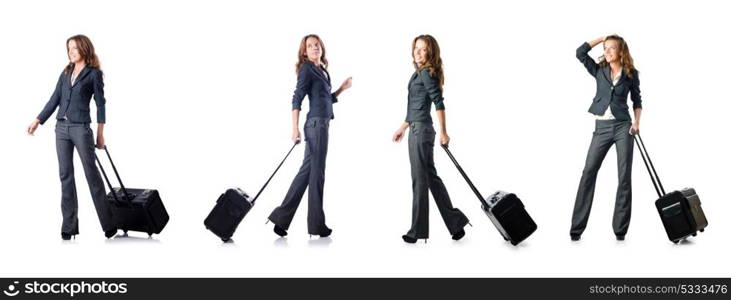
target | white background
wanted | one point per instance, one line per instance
(199, 101)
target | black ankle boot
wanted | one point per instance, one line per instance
(408, 239)
(280, 231)
(459, 235)
(66, 236)
(575, 237)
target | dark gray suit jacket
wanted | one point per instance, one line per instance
(73, 100)
(314, 82)
(607, 94)
(423, 90)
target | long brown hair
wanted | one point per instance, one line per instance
(433, 57)
(302, 53)
(625, 59)
(86, 50)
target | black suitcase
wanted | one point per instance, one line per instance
(680, 211)
(134, 209)
(505, 210)
(232, 206)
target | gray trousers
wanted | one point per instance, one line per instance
(424, 178)
(607, 132)
(311, 176)
(68, 136)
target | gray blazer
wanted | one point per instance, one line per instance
(423, 90)
(314, 82)
(607, 94)
(73, 100)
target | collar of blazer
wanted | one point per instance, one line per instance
(81, 76)
(318, 71)
(414, 76)
(608, 76)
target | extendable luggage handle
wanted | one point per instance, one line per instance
(124, 190)
(275, 172)
(469, 182)
(650, 167)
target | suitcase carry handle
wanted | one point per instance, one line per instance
(275, 172)
(459, 168)
(124, 190)
(650, 167)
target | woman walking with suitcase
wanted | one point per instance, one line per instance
(615, 78)
(313, 81)
(80, 79)
(425, 87)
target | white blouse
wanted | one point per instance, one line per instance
(608, 113)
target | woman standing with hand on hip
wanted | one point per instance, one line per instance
(425, 87)
(616, 77)
(80, 79)
(313, 81)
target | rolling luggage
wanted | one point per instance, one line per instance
(680, 211)
(134, 209)
(505, 210)
(232, 206)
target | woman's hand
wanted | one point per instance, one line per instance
(635, 129)
(100, 141)
(598, 41)
(444, 139)
(399, 134)
(296, 136)
(100, 136)
(33, 126)
(346, 84)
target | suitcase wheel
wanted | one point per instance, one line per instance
(506, 239)
(226, 240)
(701, 230)
(125, 231)
(676, 242)
(149, 234)
(695, 234)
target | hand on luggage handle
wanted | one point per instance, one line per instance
(124, 190)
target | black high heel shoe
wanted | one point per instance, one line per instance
(280, 231)
(326, 233)
(459, 235)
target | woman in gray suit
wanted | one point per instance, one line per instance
(425, 88)
(313, 81)
(80, 79)
(616, 77)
